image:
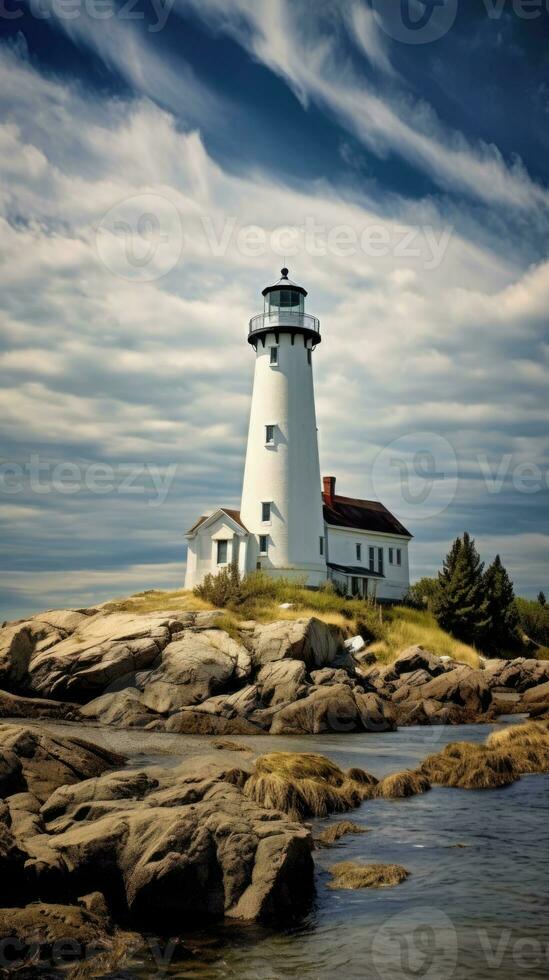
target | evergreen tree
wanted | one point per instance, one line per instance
(501, 630)
(460, 606)
(541, 599)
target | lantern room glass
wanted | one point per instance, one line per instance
(287, 300)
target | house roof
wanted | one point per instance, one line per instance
(357, 570)
(362, 515)
(233, 514)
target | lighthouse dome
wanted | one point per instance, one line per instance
(284, 312)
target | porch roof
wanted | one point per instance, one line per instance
(357, 571)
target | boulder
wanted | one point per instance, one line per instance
(281, 681)
(195, 667)
(15, 706)
(329, 675)
(103, 650)
(195, 721)
(48, 762)
(414, 659)
(121, 709)
(536, 697)
(332, 709)
(462, 686)
(163, 863)
(315, 643)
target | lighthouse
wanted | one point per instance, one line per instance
(291, 524)
(281, 495)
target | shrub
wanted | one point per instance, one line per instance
(533, 620)
(221, 589)
(422, 594)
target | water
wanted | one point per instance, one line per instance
(475, 905)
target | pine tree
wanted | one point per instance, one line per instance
(541, 599)
(501, 631)
(460, 606)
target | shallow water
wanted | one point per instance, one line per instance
(475, 905)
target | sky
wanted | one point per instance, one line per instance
(160, 160)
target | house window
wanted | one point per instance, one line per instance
(372, 559)
(380, 562)
(322, 547)
(359, 552)
(263, 544)
(222, 552)
(265, 512)
(399, 556)
(269, 435)
(391, 556)
(274, 356)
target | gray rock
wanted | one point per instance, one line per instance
(281, 681)
(194, 668)
(332, 709)
(316, 643)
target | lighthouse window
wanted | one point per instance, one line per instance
(222, 552)
(269, 435)
(265, 512)
(286, 299)
(263, 544)
(274, 355)
(309, 356)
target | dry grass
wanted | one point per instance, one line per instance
(500, 762)
(225, 745)
(388, 631)
(350, 875)
(156, 601)
(468, 766)
(401, 785)
(404, 627)
(303, 785)
(338, 830)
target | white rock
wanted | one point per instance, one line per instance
(355, 644)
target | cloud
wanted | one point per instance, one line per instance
(99, 367)
(311, 62)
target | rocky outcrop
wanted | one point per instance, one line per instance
(102, 651)
(180, 672)
(45, 762)
(165, 846)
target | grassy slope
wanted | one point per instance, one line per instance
(387, 630)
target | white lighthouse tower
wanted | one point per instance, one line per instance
(287, 526)
(281, 496)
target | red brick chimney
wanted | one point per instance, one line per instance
(329, 489)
